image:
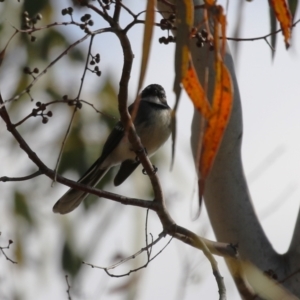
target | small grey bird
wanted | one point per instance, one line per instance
(153, 125)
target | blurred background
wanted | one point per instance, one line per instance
(48, 246)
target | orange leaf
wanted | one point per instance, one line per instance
(219, 20)
(283, 15)
(216, 125)
(210, 2)
(195, 91)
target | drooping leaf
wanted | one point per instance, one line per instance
(216, 125)
(219, 26)
(221, 18)
(196, 92)
(218, 115)
(71, 262)
(273, 25)
(19, 249)
(21, 208)
(293, 6)
(284, 17)
(221, 103)
(210, 2)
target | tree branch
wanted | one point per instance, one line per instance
(33, 175)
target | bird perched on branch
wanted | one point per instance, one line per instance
(153, 125)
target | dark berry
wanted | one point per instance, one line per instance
(27, 70)
(45, 120)
(34, 112)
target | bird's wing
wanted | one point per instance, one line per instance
(72, 198)
(111, 143)
(127, 167)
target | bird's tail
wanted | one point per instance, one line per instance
(72, 198)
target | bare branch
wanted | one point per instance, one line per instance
(117, 11)
(3, 252)
(260, 37)
(149, 259)
(65, 52)
(33, 175)
(86, 66)
(69, 287)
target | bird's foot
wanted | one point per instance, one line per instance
(140, 151)
(155, 169)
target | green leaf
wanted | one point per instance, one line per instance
(34, 6)
(71, 262)
(273, 28)
(77, 55)
(46, 42)
(21, 208)
(293, 6)
(74, 156)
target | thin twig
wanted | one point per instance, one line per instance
(289, 276)
(98, 111)
(65, 52)
(146, 234)
(69, 287)
(34, 29)
(33, 175)
(124, 260)
(260, 37)
(69, 102)
(63, 144)
(272, 48)
(3, 252)
(106, 269)
(86, 66)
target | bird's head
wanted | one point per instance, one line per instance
(154, 93)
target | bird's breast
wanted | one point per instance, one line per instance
(155, 131)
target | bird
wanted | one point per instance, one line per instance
(152, 123)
